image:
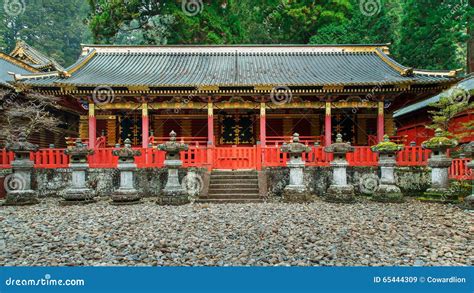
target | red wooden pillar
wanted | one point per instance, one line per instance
(210, 135)
(263, 125)
(327, 125)
(210, 124)
(380, 121)
(92, 126)
(145, 126)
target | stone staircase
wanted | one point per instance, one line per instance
(232, 187)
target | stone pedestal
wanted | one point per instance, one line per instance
(296, 191)
(18, 184)
(78, 192)
(339, 190)
(173, 193)
(126, 193)
(387, 191)
(439, 163)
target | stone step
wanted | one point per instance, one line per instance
(238, 190)
(234, 177)
(233, 172)
(235, 195)
(233, 185)
(233, 200)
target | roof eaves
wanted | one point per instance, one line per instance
(403, 70)
(18, 63)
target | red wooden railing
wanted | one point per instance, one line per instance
(237, 158)
(200, 140)
(308, 140)
(413, 156)
(460, 171)
(6, 158)
(362, 156)
(50, 158)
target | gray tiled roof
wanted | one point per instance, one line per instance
(242, 66)
(467, 84)
(39, 59)
(5, 67)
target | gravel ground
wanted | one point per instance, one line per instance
(320, 233)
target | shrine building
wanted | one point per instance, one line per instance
(239, 95)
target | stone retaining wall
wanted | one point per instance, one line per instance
(411, 180)
(150, 181)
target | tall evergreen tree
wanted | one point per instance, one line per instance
(433, 34)
(55, 27)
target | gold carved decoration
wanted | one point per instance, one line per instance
(138, 88)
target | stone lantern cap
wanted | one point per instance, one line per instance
(21, 145)
(295, 147)
(78, 152)
(339, 147)
(386, 146)
(172, 147)
(126, 154)
(439, 142)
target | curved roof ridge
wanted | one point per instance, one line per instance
(37, 58)
(187, 49)
(18, 63)
(403, 70)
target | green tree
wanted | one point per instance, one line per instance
(381, 27)
(213, 22)
(55, 27)
(433, 34)
(450, 105)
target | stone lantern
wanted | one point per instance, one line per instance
(439, 163)
(78, 192)
(469, 200)
(339, 191)
(173, 193)
(126, 194)
(18, 184)
(387, 191)
(296, 191)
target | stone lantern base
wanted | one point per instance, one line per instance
(78, 196)
(21, 197)
(469, 202)
(174, 198)
(24, 195)
(387, 193)
(173, 193)
(340, 193)
(296, 194)
(126, 194)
